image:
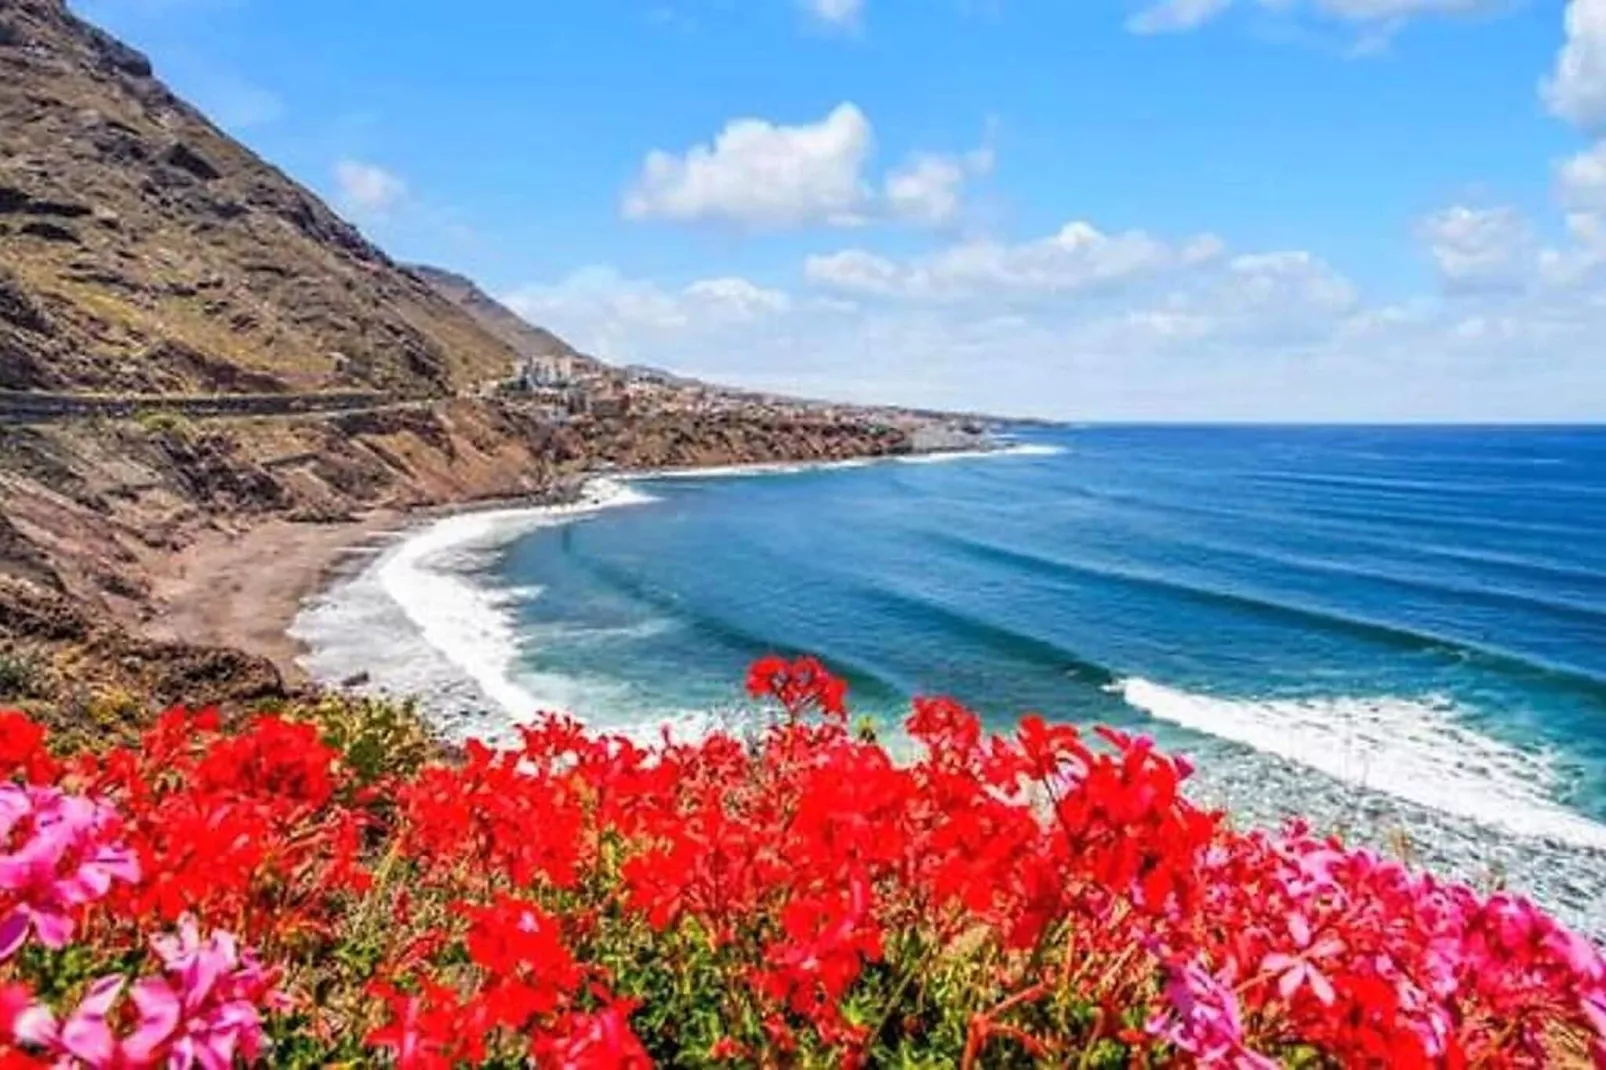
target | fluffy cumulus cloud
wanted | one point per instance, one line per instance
(1079, 257)
(602, 311)
(1477, 248)
(929, 189)
(760, 175)
(366, 189)
(1087, 322)
(1581, 180)
(1576, 90)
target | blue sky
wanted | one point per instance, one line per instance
(1183, 209)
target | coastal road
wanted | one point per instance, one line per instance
(32, 406)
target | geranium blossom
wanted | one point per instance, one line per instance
(65, 853)
(793, 897)
(204, 1009)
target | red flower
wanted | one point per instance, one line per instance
(22, 749)
(600, 1041)
(799, 686)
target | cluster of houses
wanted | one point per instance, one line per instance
(566, 386)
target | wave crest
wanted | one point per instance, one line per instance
(1417, 750)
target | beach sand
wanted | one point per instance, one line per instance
(244, 589)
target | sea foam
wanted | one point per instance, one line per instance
(417, 622)
(1415, 749)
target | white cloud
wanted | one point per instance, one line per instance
(1078, 257)
(1576, 90)
(926, 190)
(737, 298)
(1208, 336)
(929, 189)
(1479, 248)
(840, 14)
(1287, 281)
(1175, 16)
(857, 271)
(1581, 180)
(1583, 260)
(602, 311)
(760, 175)
(368, 189)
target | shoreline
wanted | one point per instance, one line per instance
(370, 554)
(246, 588)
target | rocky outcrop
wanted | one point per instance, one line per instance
(91, 512)
(20, 559)
(172, 312)
(81, 668)
(146, 251)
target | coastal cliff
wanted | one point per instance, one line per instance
(145, 255)
(96, 515)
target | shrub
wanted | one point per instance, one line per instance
(377, 737)
(166, 422)
(18, 675)
(799, 899)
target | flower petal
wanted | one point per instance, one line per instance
(158, 1008)
(13, 932)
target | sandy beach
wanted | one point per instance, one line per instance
(243, 589)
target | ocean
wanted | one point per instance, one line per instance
(1399, 633)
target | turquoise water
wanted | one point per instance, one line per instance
(1388, 629)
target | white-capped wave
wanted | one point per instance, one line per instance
(459, 628)
(766, 468)
(783, 468)
(1022, 449)
(1417, 750)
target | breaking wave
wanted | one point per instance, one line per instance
(1417, 750)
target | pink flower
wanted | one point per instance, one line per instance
(207, 1008)
(1299, 969)
(68, 858)
(1204, 1021)
(205, 1012)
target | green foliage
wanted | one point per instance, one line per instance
(18, 676)
(54, 974)
(378, 737)
(167, 422)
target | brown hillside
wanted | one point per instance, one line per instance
(141, 249)
(524, 337)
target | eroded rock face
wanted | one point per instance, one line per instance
(107, 504)
(143, 251)
(33, 614)
(151, 236)
(21, 560)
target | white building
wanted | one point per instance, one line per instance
(545, 371)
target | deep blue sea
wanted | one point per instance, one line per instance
(1400, 632)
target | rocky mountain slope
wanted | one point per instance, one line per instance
(525, 338)
(141, 249)
(144, 252)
